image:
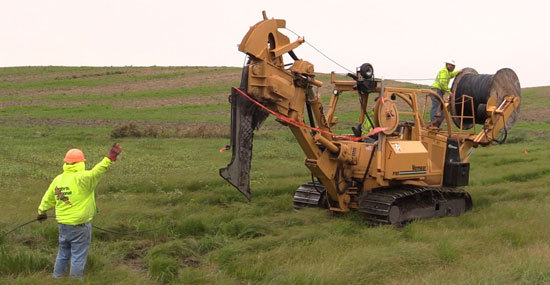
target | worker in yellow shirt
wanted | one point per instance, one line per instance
(441, 86)
(72, 195)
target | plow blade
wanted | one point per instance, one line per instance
(245, 118)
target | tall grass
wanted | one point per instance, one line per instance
(18, 261)
(211, 234)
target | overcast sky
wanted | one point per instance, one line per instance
(402, 39)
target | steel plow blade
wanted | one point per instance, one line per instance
(245, 118)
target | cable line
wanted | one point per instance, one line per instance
(93, 226)
(322, 53)
(341, 66)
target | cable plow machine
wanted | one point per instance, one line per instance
(404, 169)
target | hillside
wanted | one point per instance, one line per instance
(172, 121)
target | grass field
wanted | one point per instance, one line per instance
(171, 122)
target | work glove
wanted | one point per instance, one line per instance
(114, 152)
(42, 217)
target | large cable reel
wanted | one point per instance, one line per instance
(481, 88)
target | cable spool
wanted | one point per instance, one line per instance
(481, 87)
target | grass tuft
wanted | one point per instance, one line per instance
(481, 202)
(244, 230)
(191, 226)
(447, 252)
(179, 249)
(526, 176)
(22, 262)
(209, 243)
(95, 262)
(410, 232)
(514, 239)
(519, 177)
(506, 161)
(163, 269)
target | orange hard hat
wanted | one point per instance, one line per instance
(74, 155)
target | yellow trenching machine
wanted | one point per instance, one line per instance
(405, 170)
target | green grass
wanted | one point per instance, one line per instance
(211, 234)
(163, 93)
(22, 262)
(114, 75)
(27, 70)
(535, 97)
(192, 113)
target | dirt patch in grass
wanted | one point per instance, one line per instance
(112, 88)
(535, 114)
(120, 128)
(138, 103)
(190, 130)
(129, 85)
(57, 122)
(134, 128)
(134, 258)
(136, 264)
(33, 75)
(208, 79)
(172, 101)
(98, 72)
(46, 103)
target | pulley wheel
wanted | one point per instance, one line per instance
(386, 115)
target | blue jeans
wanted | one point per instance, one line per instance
(74, 243)
(435, 112)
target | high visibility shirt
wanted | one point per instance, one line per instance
(443, 78)
(367, 127)
(72, 193)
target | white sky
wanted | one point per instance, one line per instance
(402, 39)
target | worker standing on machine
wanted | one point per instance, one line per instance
(441, 86)
(72, 195)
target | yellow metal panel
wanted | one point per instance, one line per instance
(405, 160)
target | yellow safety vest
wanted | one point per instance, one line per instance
(443, 78)
(72, 193)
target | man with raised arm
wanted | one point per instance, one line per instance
(72, 194)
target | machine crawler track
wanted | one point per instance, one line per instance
(408, 203)
(311, 194)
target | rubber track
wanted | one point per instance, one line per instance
(376, 204)
(309, 195)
